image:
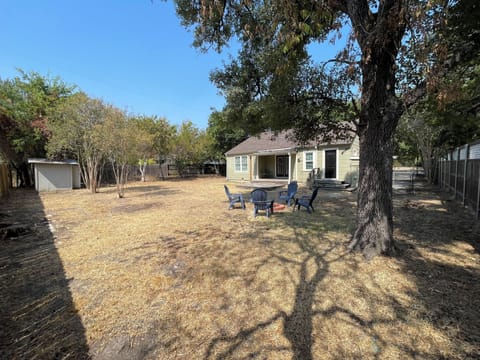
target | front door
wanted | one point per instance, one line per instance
(282, 166)
(330, 164)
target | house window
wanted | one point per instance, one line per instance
(309, 160)
(241, 163)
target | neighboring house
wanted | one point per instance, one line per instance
(56, 175)
(276, 156)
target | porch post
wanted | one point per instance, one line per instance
(289, 167)
(251, 169)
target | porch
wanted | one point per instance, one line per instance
(276, 166)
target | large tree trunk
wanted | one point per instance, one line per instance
(379, 38)
(374, 233)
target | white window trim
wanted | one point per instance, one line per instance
(314, 159)
(336, 162)
(240, 157)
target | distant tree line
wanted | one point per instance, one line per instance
(42, 116)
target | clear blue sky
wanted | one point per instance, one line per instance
(133, 54)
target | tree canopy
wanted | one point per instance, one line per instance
(274, 83)
(26, 103)
(447, 115)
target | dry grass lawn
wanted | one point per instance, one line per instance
(170, 273)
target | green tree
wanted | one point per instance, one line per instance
(223, 133)
(155, 140)
(277, 33)
(420, 132)
(76, 130)
(456, 95)
(121, 145)
(448, 51)
(189, 147)
(25, 104)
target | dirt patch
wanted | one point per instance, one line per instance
(170, 273)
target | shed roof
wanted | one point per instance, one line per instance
(270, 141)
(55, 162)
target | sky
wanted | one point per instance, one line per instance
(133, 54)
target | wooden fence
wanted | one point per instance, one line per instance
(4, 179)
(459, 173)
(164, 171)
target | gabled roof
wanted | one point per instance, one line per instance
(270, 141)
(266, 141)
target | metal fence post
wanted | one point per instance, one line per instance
(456, 172)
(478, 198)
(442, 173)
(449, 160)
(449, 176)
(464, 192)
(439, 164)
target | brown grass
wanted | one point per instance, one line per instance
(169, 272)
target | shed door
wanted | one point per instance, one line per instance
(330, 164)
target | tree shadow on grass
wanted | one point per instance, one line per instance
(442, 241)
(447, 300)
(297, 323)
(37, 315)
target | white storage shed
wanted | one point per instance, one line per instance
(56, 175)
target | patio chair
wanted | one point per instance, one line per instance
(289, 195)
(234, 198)
(306, 201)
(259, 199)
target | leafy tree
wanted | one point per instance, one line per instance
(154, 140)
(223, 133)
(189, 147)
(457, 88)
(120, 144)
(25, 104)
(420, 131)
(275, 34)
(77, 130)
(447, 116)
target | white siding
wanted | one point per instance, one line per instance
(51, 177)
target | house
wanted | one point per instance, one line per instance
(55, 175)
(273, 155)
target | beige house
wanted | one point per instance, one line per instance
(276, 156)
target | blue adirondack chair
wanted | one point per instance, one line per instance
(289, 195)
(234, 198)
(306, 202)
(259, 199)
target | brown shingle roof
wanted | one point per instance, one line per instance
(270, 141)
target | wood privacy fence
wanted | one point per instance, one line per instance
(164, 171)
(459, 172)
(4, 179)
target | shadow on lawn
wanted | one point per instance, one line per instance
(37, 315)
(448, 294)
(141, 190)
(297, 323)
(449, 290)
